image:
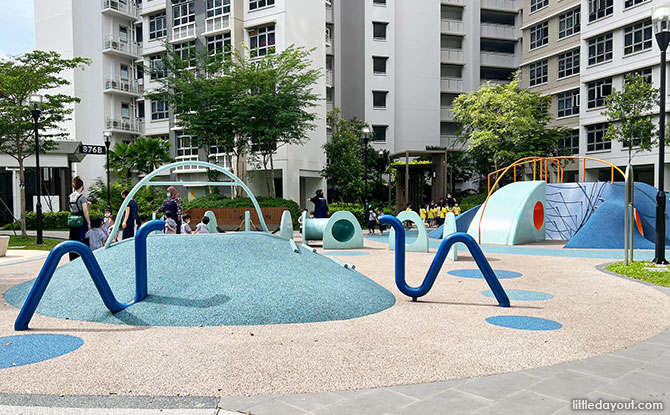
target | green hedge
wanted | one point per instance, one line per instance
(218, 201)
(56, 221)
(471, 201)
(358, 210)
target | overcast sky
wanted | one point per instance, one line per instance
(17, 34)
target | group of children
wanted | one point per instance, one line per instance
(171, 225)
(434, 213)
(373, 220)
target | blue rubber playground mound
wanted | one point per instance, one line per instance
(247, 278)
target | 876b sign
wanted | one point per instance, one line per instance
(87, 149)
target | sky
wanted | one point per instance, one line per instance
(17, 33)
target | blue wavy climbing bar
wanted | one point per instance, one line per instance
(438, 261)
(51, 263)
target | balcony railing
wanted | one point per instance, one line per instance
(510, 5)
(455, 2)
(452, 26)
(116, 83)
(500, 31)
(329, 77)
(506, 60)
(329, 14)
(126, 7)
(128, 124)
(451, 55)
(447, 114)
(114, 43)
(217, 23)
(182, 32)
(451, 84)
(494, 81)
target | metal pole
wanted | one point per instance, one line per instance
(626, 221)
(38, 176)
(109, 203)
(659, 257)
(365, 162)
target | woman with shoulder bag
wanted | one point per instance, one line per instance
(79, 221)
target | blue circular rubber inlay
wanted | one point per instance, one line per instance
(475, 273)
(524, 323)
(345, 253)
(522, 295)
(33, 348)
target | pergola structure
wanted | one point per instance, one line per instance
(410, 176)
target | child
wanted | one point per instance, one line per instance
(170, 224)
(97, 236)
(301, 218)
(105, 224)
(372, 221)
(382, 228)
(202, 226)
(143, 219)
(185, 227)
(456, 210)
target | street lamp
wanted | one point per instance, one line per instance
(36, 100)
(108, 142)
(366, 138)
(660, 16)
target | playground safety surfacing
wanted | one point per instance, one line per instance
(234, 316)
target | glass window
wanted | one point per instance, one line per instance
(262, 41)
(571, 142)
(631, 3)
(379, 64)
(379, 99)
(600, 8)
(538, 4)
(645, 72)
(568, 103)
(159, 110)
(157, 26)
(380, 132)
(600, 49)
(157, 67)
(186, 52)
(218, 44)
(598, 91)
(124, 72)
(568, 63)
(539, 72)
(125, 110)
(257, 4)
(123, 34)
(637, 37)
(187, 147)
(183, 12)
(568, 23)
(539, 35)
(379, 2)
(594, 137)
(217, 7)
(379, 30)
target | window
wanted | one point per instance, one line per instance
(379, 99)
(123, 34)
(379, 2)
(380, 132)
(568, 103)
(568, 63)
(600, 49)
(124, 73)
(262, 41)
(379, 64)
(186, 52)
(183, 12)
(218, 44)
(598, 91)
(217, 7)
(379, 30)
(594, 137)
(568, 23)
(637, 37)
(539, 35)
(538, 4)
(157, 67)
(600, 8)
(631, 3)
(645, 72)
(125, 110)
(571, 142)
(257, 4)
(159, 110)
(157, 26)
(187, 147)
(539, 72)
(139, 33)
(451, 71)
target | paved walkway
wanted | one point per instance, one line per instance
(64, 235)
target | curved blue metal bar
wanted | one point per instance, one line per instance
(47, 272)
(141, 290)
(438, 261)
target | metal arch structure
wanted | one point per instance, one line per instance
(146, 181)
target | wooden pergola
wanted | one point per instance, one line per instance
(410, 177)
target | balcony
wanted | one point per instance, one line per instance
(506, 5)
(121, 8)
(500, 31)
(329, 77)
(329, 42)
(451, 85)
(183, 32)
(151, 7)
(451, 55)
(498, 59)
(330, 18)
(115, 45)
(217, 24)
(454, 2)
(118, 123)
(115, 84)
(447, 114)
(452, 26)
(494, 81)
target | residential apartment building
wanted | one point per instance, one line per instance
(579, 51)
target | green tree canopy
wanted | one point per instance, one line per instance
(28, 74)
(143, 156)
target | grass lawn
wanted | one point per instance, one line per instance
(29, 243)
(638, 271)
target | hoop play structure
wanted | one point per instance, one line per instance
(340, 231)
(433, 271)
(146, 181)
(421, 242)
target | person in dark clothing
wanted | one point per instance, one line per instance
(131, 217)
(173, 204)
(320, 205)
(79, 207)
(451, 201)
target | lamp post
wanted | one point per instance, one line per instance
(36, 100)
(366, 138)
(661, 23)
(108, 142)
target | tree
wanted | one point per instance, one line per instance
(629, 114)
(33, 72)
(143, 156)
(504, 123)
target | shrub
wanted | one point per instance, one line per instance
(218, 201)
(471, 201)
(358, 210)
(55, 221)
(148, 198)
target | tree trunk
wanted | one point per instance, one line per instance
(22, 190)
(265, 169)
(272, 177)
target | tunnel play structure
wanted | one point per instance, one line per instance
(340, 231)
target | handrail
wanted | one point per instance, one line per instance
(146, 181)
(438, 261)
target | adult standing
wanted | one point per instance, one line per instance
(78, 208)
(173, 205)
(320, 205)
(130, 217)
